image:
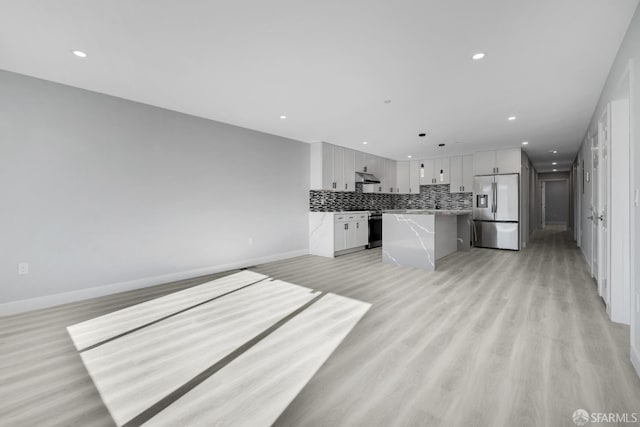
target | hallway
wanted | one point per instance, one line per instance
(494, 338)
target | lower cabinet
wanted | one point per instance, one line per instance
(350, 231)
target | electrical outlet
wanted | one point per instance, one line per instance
(23, 268)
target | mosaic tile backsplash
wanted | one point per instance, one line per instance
(330, 201)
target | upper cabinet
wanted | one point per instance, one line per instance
(434, 171)
(402, 177)
(408, 177)
(500, 161)
(332, 167)
(414, 177)
(461, 179)
(390, 176)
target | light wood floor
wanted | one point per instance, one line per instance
(495, 338)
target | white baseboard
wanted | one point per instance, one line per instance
(21, 306)
(635, 360)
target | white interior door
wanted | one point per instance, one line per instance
(594, 207)
(602, 208)
(543, 195)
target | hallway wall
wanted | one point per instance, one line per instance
(623, 81)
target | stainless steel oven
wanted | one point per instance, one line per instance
(375, 229)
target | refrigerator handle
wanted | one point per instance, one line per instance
(495, 197)
(494, 189)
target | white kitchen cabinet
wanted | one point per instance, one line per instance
(332, 233)
(359, 161)
(349, 170)
(338, 168)
(442, 172)
(332, 167)
(432, 169)
(467, 173)
(350, 231)
(509, 161)
(390, 176)
(378, 170)
(414, 177)
(427, 168)
(497, 161)
(461, 174)
(403, 177)
(408, 177)
(340, 233)
(361, 230)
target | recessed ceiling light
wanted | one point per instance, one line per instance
(554, 163)
(409, 156)
(365, 142)
(554, 151)
(525, 142)
(478, 55)
(555, 170)
(79, 54)
(283, 117)
(512, 118)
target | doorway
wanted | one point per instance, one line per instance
(555, 203)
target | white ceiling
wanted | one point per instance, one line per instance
(329, 65)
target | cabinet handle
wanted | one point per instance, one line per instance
(497, 170)
(357, 225)
(346, 225)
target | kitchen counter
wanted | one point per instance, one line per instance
(449, 212)
(419, 238)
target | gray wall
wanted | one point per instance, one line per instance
(627, 62)
(97, 190)
(556, 202)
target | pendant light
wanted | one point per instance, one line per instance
(422, 170)
(441, 170)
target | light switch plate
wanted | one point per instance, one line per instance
(23, 268)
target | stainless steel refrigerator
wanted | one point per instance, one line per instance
(496, 211)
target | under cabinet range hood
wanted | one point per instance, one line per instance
(366, 178)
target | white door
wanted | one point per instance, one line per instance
(467, 173)
(604, 134)
(594, 206)
(441, 167)
(543, 195)
(390, 176)
(402, 177)
(455, 178)
(338, 168)
(484, 163)
(427, 172)
(340, 235)
(414, 177)
(362, 230)
(508, 161)
(327, 167)
(349, 170)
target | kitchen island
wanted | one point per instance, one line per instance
(419, 238)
